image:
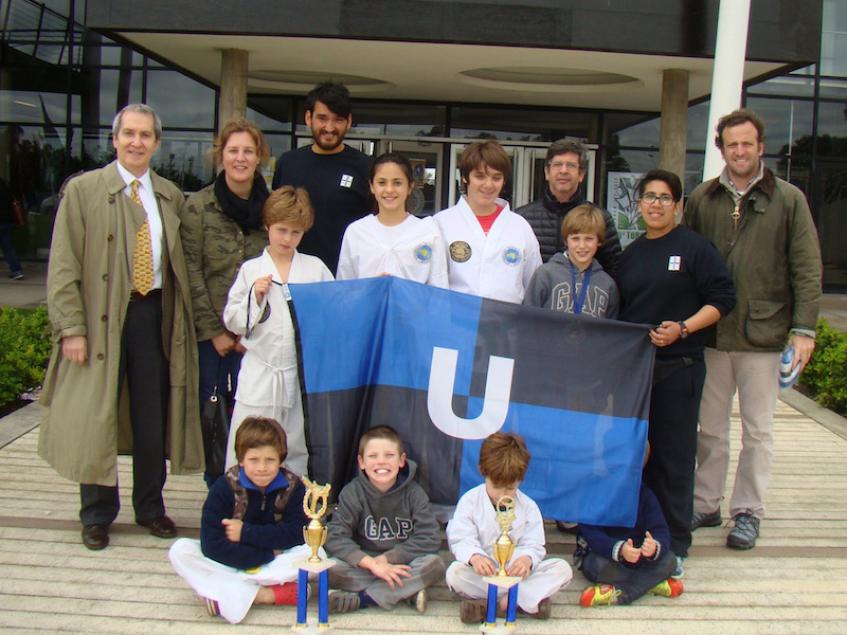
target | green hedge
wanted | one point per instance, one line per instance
(24, 350)
(825, 378)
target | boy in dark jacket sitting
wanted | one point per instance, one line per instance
(251, 531)
(628, 562)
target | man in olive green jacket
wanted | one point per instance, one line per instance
(763, 228)
(123, 371)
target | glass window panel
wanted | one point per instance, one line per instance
(275, 109)
(832, 119)
(266, 123)
(180, 100)
(52, 53)
(787, 121)
(408, 120)
(185, 158)
(698, 121)
(834, 38)
(277, 143)
(62, 7)
(36, 159)
(833, 88)
(515, 124)
(789, 85)
(693, 171)
(97, 149)
(37, 107)
(644, 134)
(117, 89)
(35, 164)
(831, 218)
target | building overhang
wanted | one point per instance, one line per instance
(574, 53)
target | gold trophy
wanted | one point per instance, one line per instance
(314, 506)
(504, 547)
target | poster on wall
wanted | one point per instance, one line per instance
(623, 205)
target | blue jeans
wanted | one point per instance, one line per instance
(8, 248)
(632, 582)
(217, 371)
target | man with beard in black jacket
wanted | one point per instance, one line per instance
(565, 167)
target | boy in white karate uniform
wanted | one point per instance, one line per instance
(251, 513)
(473, 530)
(491, 251)
(257, 310)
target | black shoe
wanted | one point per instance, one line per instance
(706, 519)
(567, 527)
(95, 537)
(161, 527)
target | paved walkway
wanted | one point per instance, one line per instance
(795, 581)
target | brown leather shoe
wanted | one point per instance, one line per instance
(161, 527)
(95, 537)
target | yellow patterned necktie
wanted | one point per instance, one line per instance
(142, 257)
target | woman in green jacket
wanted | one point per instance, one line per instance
(221, 228)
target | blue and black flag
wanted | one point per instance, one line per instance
(447, 369)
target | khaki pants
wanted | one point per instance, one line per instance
(755, 377)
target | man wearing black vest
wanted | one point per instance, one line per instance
(565, 168)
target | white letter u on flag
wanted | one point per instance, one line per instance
(439, 400)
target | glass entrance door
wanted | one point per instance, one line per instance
(527, 181)
(426, 160)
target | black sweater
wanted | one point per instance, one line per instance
(671, 278)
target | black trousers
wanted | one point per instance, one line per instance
(145, 367)
(674, 410)
(632, 582)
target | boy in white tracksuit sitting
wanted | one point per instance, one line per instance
(471, 533)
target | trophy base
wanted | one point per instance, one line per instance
(316, 567)
(504, 582)
(312, 628)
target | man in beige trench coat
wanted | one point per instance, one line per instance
(123, 372)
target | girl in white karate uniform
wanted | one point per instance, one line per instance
(492, 252)
(392, 241)
(257, 310)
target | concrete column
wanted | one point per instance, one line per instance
(673, 130)
(727, 74)
(233, 94)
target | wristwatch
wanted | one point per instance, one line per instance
(683, 330)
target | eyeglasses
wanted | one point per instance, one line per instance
(558, 165)
(665, 200)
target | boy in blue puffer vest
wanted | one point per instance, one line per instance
(252, 512)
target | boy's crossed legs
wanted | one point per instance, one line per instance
(630, 582)
(424, 571)
(548, 577)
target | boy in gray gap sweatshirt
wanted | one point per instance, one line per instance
(574, 282)
(383, 533)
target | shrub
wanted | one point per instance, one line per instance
(826, 375)
(24, 350)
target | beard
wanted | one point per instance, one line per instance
(327, 142)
